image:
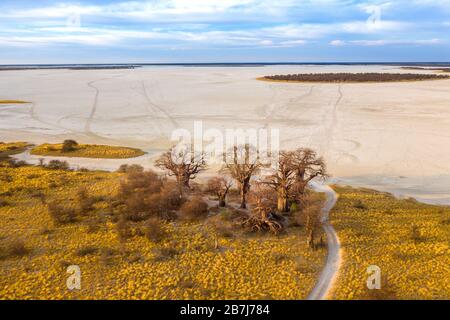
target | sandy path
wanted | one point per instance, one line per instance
(329, 273)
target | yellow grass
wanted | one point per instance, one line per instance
(10, 148)
(13, 102)
(240, 267)
(88, 151)
(408, 240)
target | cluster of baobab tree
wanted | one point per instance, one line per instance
(288, 181)
(272, 190)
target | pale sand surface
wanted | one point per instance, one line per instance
(390, 136)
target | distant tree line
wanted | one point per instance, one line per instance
(355, 77)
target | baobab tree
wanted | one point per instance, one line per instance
(283, 179)
(220, 187)
(242, 163)
(184, 165)
(307, 165)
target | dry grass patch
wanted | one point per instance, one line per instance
(11, 148)
(87, 151)
(405, 238)
(13, 102)
(150, 259)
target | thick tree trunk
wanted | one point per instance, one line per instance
(222, 202)
(243, 199)
(282, 202)
(243, 191)
(180, 186)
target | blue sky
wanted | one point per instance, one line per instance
(106, 31)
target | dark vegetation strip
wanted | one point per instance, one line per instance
(427, 69)
(354, 77)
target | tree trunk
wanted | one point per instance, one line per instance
(282, 202)
(186, 181)
(180, 183)
(245, 186)
(222, 202)
(243, 198)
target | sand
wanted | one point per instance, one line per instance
(389, 136)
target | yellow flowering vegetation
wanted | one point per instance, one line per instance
(11, 148)
(195, 260)
(88, 151)
(409, 242)
(13, 102)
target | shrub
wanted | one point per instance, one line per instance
(133, 257)
(154, 230)
(41, 196)
(85, 251)
(226, 222)
(359, 205)
(13, 163)
(6, 177)
(445, 221)
(170, 196)
(4, 203)
(57, 165)
(125, 168)
(85, 201)
(15, 248)
(61, 214)
(123, 229)
(194, 209)
(69, 146)
(145, 195)
(137, 208)
(145, 182)
(416, 234)
(312, 213)
(107, 256)
(164, 254)
(92, 225)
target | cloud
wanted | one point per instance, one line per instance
(158, 10)
(218, 24)
(337, 43)
(373, 43)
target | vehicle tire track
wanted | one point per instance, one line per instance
(283, 109)
(155, 108)
(87, 127)
(34, 116)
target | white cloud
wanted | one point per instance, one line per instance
(158, 9)
(266, 42)
(179, 22)
(293, 42)
(337, 43)
(396, 42)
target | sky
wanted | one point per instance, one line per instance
(194, 31)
